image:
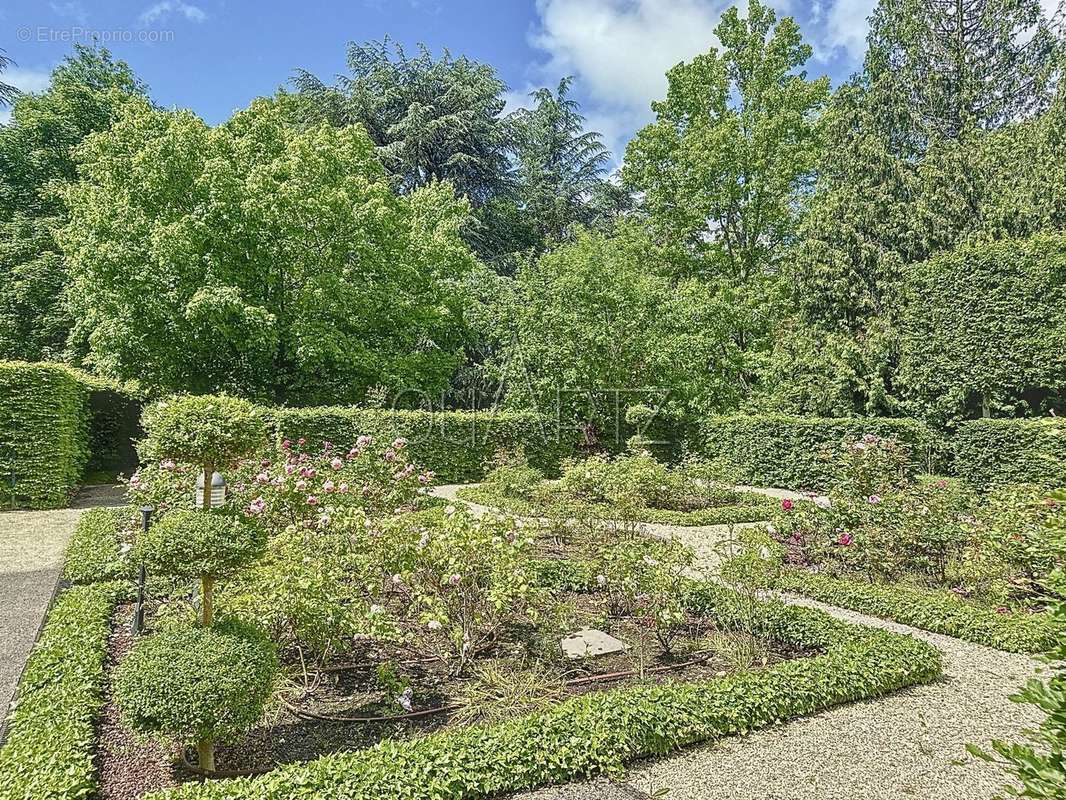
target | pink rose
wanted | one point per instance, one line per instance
(312, 500)
(168, 465)
(257, 506)
(301, 485)
(873, 499)
(343, 488)
(399, 443)
(336, 463)
(845, 539)
(262, 477)
(327, 486)
(786, 505)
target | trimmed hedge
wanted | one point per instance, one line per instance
(55, 424)
(51, 735)
(94, 553)
(789, 452)
(930, 610)
(997, 451)
(44, 430)
(757, 509)
(600, 732)
(456, 445)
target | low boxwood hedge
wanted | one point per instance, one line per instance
(599, 733)
(48, 752)
(930, 610)
(755, 508)
(790, 452)
(456, 445)
(94, 553)
(991, 452)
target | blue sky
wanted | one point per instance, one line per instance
(215, 56)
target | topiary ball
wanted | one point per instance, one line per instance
(192, 544)
(203, 429)
(192, 684)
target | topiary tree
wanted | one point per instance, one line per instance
(197, 545)
(199, 685)
(211, 431)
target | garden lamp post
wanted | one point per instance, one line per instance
(138, 613)
(218, 490)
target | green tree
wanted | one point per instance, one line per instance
(602, 313)
(731, 151)
(928, 146)
(431, 119)
(260, 259)
(560, 165)
(87, 91)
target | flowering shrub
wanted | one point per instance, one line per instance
(458, 579)
(309, 488)
(438, 581)
(870, 466)
(913, 532)
(1010, 553)
(645, 578)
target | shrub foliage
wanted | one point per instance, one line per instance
(798, 452)
(51, 735)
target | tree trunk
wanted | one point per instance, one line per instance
(205, 751)
(209, 472)
(986, 411)
(207, 610)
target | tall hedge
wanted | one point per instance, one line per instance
(796, 452)
(44, 430)
(984, 329)
(56, 423)
(454, 444)
(996, 451)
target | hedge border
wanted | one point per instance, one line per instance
(456, 445)
(990, 452)
(44, 432)
(726, 515)
(95, 550)
(785, 452)
(51, 732)
(600, 733)
(930, 610)
(57, 423)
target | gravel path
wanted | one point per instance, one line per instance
(31, 556)
(911, 744)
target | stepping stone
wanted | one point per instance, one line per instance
(591, 642)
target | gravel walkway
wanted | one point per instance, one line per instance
(910, 744)
(31, 556)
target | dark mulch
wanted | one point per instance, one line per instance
(128, 765)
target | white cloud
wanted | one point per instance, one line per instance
(73, 10)
(846, 26)
(620, 50)
(163, 10)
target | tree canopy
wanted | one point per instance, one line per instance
(259, 258)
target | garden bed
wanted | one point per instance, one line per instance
(597, 728)
(343, 708)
